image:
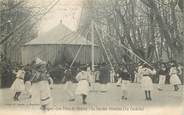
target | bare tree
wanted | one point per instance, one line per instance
(150, 28)
(12, 14)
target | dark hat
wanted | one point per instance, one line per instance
(83, 67)
(146, 65)
(27, 67)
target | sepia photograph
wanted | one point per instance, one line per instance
(92, 56)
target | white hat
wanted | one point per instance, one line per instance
(40, 62)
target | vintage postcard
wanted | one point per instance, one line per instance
(92, 57)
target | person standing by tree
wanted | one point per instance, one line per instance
(112, 75)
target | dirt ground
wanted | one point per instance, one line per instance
(112, 98)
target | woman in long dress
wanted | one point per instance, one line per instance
(69, 84)
(18, 85)
(92, 78)
(83, 85)
(112, 75)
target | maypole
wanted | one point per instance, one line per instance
(108, 58)
(92, 46)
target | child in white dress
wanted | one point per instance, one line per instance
(146, 81)
(18, 85)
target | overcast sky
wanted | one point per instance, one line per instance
(67, 10)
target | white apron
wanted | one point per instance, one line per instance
(147, 83)
(83, 84)
(162, 79)
(18, 84)
(41, 93)
(174, 79)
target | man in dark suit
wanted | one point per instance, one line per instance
(104, 76)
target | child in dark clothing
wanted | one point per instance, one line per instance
(125, 80)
